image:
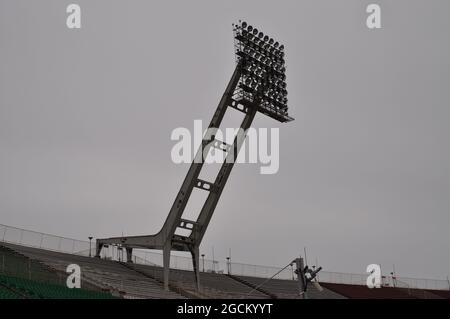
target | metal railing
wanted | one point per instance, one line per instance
(31, 238)
(34, 239)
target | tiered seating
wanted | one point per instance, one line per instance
(6, 293)
(26, 266)
(421, 294)
(288, 289)
(363, 292)
(37, 290)
(109, 275)
(216, 286)
(441, 293)
(16, 265)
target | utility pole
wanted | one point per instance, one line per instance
(301, 277)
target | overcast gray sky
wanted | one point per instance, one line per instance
(86, 117)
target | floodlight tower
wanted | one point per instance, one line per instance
(258, 84)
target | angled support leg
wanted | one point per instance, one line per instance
(195, 252)
(213, 198)
(166, 239)
(166, 264)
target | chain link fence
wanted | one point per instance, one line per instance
(29, 238)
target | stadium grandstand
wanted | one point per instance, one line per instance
(33, 266)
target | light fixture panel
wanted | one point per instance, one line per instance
(263, 68)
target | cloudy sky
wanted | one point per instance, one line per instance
(86, 117)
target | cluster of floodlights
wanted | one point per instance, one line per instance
(263, 67)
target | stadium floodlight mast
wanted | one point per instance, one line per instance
(258, 84)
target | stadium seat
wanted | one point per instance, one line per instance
(32, 289)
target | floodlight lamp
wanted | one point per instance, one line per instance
(263, 71)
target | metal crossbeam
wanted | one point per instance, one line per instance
(222, 146)
(207, 186)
